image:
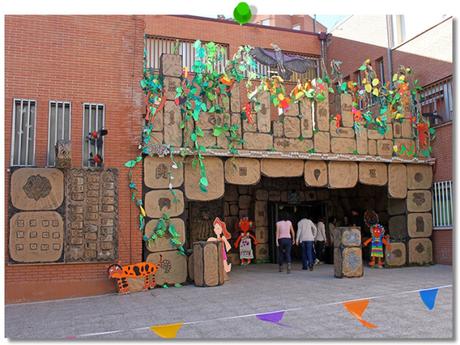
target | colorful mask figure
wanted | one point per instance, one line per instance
(378, 239)
(244, 241)
(220, 229)
(142, 269)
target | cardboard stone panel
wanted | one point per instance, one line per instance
(291, 127)
(208, 268)
(231, 193)
(396, 206)
(374, 134)
(244, 201)
(396, 257)
(158, 202)
(250, 127)
(261, 194)
(262, 234)
(274, 195)
(389, 132)
(293, 110)
(281, 167)
(306, 123)
(408, 144)
(420, 251)
(322, 194)
(361, 141)
(36, 237)
(262, 252)
(346, 106)
(397, 181)
(209, 120)
(322, 115)
(171, 65)
(170, 85)
(233, 210)
(373, 173)
(397, 228)
(263, 116)
(257, 141)
(343, 174)
(172, 267)
(163, 243)
(215, 174)
(235, 104)
(419, 176)
(347, 237)
(342, 132)
(260, 212)
(136, 284)
(322, 142)
(172, 120)
(315, 173)
(37, 189)
(157, 170)
(278, 129)
(343, 145)
(242, 171)
(234, 258)
(372, 147)
(418, 201)
(292, 145)
(348, 262)
(208, 140)
(385, 148)
(419, 224)
(397, 130)
(406, 129)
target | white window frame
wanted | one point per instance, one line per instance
(85, 155)
(442, 205)
(296, 27)
(64, 103)
(13, 132)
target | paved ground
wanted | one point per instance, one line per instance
(312, 301)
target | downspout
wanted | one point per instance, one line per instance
(390, 36)
(323, 36)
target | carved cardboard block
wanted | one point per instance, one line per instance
(262, 194)
(171, 123)
(242, 171)
(372, 147)
(322, 115)
(322, 142)
(397, 130)
(292, 145)
(347, 237)
(260, 212)
(396, 206)
(406, 129)
(315, 173)
(208, 139)
(162, 201)
(171, 65)
(291, 127)
(244, 202)
(397, 181)
(208, 268)
(262, 234)
(37, 189)
(278, 129)
(343, 145)
(396, 257)
(361, 141)
(397, 228)
(342, 174)
(157, 171)
(419, 176)
(263, 116)
(262, 252)
(385, 148)
(231, 193)
(409, 144)
(215, 174)
(306, 125)
(373, 173)
(163, 243)
(281, 167)
(346, 106)
(172, 267)
(91, 215)
(202, 215)
(420, 251)
(348, 262)
(257, 141)
(419, 224)
(341, 132)
(209, 120)
(63, 154)
(374, 134)
(418, 201)
(170, 84)
(36, 237)
(235, 105)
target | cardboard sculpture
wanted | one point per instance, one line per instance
(378, 238)
(222, 235)
(244, 241)
(146, 270)
(347, 252)
(208, 263)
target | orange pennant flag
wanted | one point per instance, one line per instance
(357, 308)
(168, 331)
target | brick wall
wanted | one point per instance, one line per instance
(442, 246)
(442, 151)
(78, 59)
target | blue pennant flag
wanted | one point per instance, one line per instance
(429, 297)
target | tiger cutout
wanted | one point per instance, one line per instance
(142, 269)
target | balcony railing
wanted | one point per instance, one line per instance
(442, 204)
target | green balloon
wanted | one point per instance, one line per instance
(242, 13)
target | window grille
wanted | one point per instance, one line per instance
(23, 133)
(437, 101)
(59, 124)
(442, 204)
(93, 121)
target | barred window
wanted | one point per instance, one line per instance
(442, 204)
(437, 101)
(23, 134)
(59, 124)
(93, 121)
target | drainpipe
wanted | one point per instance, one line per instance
(314, 23)
(390, 36)
(323, 37)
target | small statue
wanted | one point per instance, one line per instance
(378, 238)
(220, 229)
(244, 241)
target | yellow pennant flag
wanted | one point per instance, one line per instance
(168, 331)
(357, 308)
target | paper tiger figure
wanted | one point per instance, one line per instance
(142, 269)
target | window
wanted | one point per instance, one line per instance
(380, 70)
(442, 204)
(93, 122)
(437, 101)
(58, 126)
(296, 27)
(23, 134)
(265, 22)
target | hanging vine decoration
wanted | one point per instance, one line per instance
(165, 226)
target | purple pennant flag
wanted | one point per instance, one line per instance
(274, 317)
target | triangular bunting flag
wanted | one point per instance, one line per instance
(274, 317)
(168, 331)
(357, 308)
(429, 297)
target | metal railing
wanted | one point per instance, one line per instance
(442, 204)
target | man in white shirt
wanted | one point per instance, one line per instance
(320, 241)
(306, 233)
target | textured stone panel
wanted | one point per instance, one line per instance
(397, 130)
(346, 106)
(315, 173)
(341, 132)
(372, 147)
(282, 167)
(397, 228)
(262, 234)
(291, 127)
(385, 148)
(162, 201)
(157, 170)
(420, 251)
(396, 206)
(262, 252)
(408, 144)
(406, 129)
(235, 100)
(419, 224)
(292, 145)
(208, 139)
(261, 194)
(263, 116)
(347, 237)
(343, 145)
(322, 142)
(397, 181)
(322, 115)
(215, 175)
(396, 257)
(163, 243)
(260, 212)
(257, 141)
(375, 134)
(170, 84)
(242, 171)
(418, 201)
(343, 174)
(172, 120)
(36, 237)
(172, 267)
(171, 65)
(278, 129)
(306, 122)
(419, 176)
(209, 120)
(373, 173)
(37, 189)
(361, 141)
(348, 262)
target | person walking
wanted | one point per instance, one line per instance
(284, 241)
(306, 233)
(320, 241)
